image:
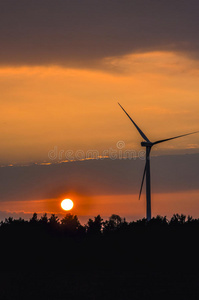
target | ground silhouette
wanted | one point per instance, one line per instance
(103, 259)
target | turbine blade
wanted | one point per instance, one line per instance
(175, 137)
(139, 130)
(142, 181)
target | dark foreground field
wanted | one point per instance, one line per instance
(43, 259)
(40, 284)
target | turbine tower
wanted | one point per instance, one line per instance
(148, 144)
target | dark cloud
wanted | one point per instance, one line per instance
(171, 173)
(82, 32)
(15, 215)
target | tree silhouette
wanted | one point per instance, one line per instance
(113, 244)
(44, 219)
(53, 220)
(34, 218)
(70, 223)
(9, 220)
(114, 223)
(159, 221)
(178, 219)
(95, 226)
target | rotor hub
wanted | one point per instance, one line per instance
(146, 144)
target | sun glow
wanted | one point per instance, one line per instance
(67, 204)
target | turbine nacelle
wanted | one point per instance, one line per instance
(146, 144)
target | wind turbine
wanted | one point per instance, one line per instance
(148, 144)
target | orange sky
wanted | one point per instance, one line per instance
(43, 107)
(127, 206)
(64, 65)
(76, 109)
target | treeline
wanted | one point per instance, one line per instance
(50, 243)
(97, 226)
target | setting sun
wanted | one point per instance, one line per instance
(67, 204)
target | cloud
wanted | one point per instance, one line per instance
(170, 173)
(83, 33)
(15, 215)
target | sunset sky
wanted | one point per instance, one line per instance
(64, 65)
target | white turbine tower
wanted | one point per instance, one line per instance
(148, 144)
